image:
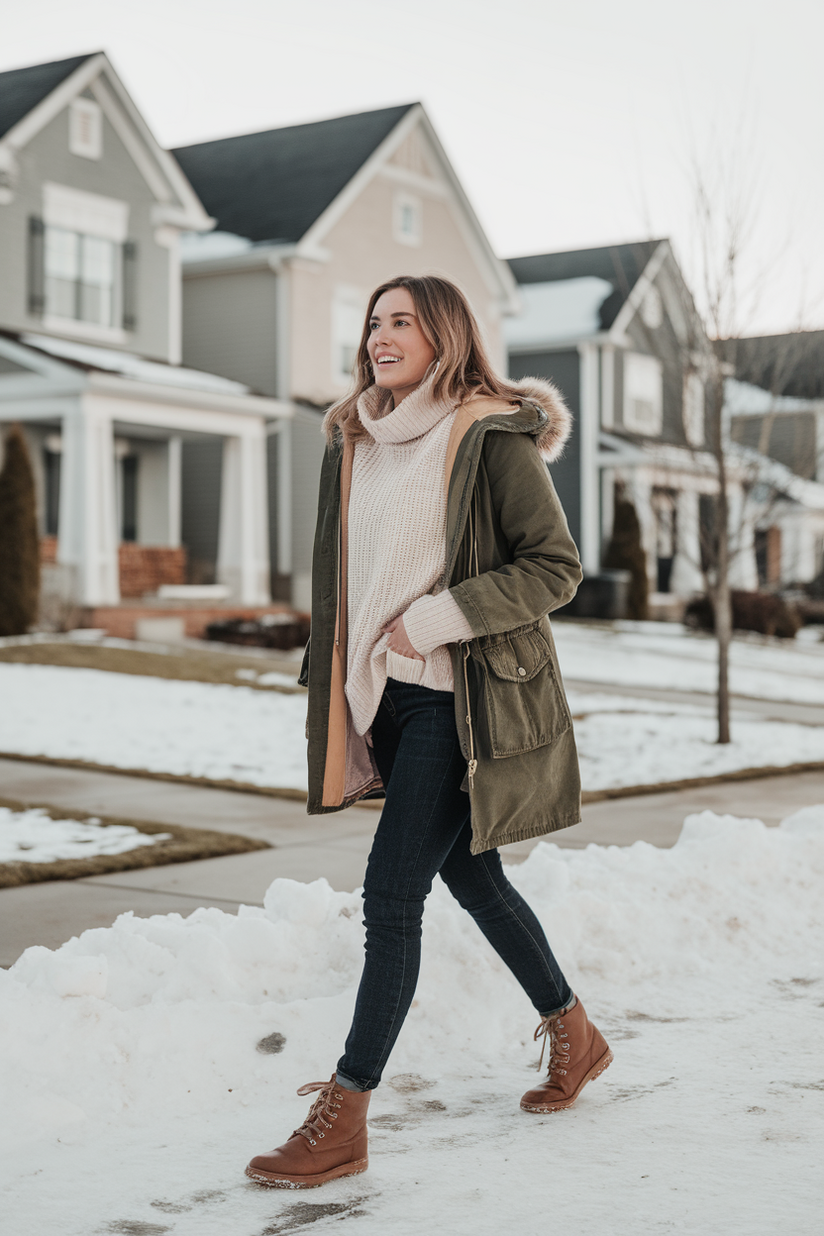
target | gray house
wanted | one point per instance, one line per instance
(616, 329)
(91, 213)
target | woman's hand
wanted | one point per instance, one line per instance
(399, 641)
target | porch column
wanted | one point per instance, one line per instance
(687, 576)
(243, 540)
(174, 462)
(87, 528)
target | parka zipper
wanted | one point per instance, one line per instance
(472, 763)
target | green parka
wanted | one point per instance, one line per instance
(510, 561)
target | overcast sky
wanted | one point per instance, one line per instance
(569, 124)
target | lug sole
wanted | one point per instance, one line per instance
(596, 1071)
(273, 1181)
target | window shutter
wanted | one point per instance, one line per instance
(37, 266)
(129, 285)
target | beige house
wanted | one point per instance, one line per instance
(310, 219)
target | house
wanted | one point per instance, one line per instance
(775, 409)
(91, 214)
(615, 327)
(309, 219)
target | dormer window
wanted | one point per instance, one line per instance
(86, 129)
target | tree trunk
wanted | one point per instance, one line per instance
(722, 601)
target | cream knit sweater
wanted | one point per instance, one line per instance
(397, 549)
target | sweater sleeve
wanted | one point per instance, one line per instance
(435, 620)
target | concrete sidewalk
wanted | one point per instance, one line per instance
(304, 847)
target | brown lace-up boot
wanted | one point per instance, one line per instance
(330, 1143)
(578, 1052)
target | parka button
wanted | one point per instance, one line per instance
(522, 671)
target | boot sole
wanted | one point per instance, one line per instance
(306, 1182)
(596, 1071)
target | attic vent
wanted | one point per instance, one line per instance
(408, 220)
(86, 129)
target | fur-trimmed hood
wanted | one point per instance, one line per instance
(546, 396)
(551, 418)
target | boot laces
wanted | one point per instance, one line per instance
(552, 1028)
(327, 1104)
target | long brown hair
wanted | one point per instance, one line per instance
(449, 325)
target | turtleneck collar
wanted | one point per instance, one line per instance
(412, 418)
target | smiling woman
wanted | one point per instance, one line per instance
(441, 548)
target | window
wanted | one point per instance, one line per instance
(643, 394)
(348, 311)
(81, 277)
(694, 409)
(81, 266)
(86, 129)
(408, 219)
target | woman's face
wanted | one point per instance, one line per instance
(398, 349)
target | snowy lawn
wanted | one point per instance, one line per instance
(667, 655)
(133, 1092)
(239, 734)
(34, 837)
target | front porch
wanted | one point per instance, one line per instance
(147, 475)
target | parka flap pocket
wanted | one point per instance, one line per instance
(517, 657)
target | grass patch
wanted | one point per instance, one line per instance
(188, 665)
(185, 845)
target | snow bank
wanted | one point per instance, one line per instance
(129, 1056)
(34, 837)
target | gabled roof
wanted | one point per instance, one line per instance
(791, 364)
(620, 265)
(31, 98)
(274, 185)
(22, 89)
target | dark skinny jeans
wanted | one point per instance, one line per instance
(425, 829)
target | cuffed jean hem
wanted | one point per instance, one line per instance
(570, 1004)
(349, 1083)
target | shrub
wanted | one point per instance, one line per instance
(763, 612)
(626, 553)
(19, 542)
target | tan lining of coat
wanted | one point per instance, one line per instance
(334, 773)
(475, 409)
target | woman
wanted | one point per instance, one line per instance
(440, 549)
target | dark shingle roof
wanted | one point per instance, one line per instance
(621, 265)
(791, 364)
(274, 185)
(22, 89)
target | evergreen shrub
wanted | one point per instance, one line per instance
(19, 540)
(763, 612)
(626, 553)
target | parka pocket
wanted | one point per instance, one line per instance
(524, 704)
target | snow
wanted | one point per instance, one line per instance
(662, 655)
(562, 309)
(236, 733)
(131, 366)
(34, 837)
(134, 1093)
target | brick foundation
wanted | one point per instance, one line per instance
(119, 620)
(143, 568)
(48, 550)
